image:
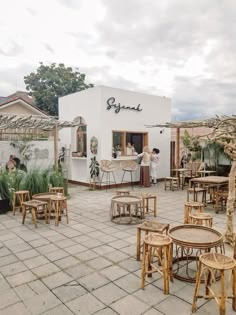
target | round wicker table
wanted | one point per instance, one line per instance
(126, 209)
(189, 241)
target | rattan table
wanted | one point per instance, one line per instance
(189, 241)
(126, 209)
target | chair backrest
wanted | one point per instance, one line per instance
(106, 165)
(130, 165)
(194, 166)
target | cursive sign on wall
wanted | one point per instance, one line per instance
(111, 103)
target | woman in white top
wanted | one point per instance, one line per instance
(144, 167)
(154, 164)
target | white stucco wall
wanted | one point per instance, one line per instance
(91, 104)
(42, 154)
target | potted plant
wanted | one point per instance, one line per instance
(118, 150)
(94, 172)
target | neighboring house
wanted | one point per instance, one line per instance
(20, 103)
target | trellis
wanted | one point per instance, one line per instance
(13, 122)
(223, 131)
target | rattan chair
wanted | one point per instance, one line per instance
(129, 167)
(209, 265)
(107, 168)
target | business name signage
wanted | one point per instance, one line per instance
(112, 104)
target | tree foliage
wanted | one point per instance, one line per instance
(50, 82)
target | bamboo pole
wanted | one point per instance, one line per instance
(177, 146)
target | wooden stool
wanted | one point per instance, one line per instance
(149, 226)
(34, 206)
(145, 198)
(161, 246)
(123, 192)
(189, 206)
(59, 190)
(209, 264)
(196, 191)
(60, 207)
(172, 183)
(21, 195)
(201, 219)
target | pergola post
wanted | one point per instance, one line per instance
(177, 146)
(55, 131)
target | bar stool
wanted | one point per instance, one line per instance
(147, 227)
(201, 219)
(172, 183)
(161, 246)
(108, 168)
(196, 191)
(189, 206)
(59, 190)
(209, 264)
(21, 195)
(129, 167)
(35, 207)
(59, 204)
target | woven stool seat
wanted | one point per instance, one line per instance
(201, 218)
(172, 183)
(122, 192)
(189, 206)
(21, 196)
(218, 261)
(160, 246)
(147, 227)
(157, 239)
(211, 267)
(196, 191)
(34, 206)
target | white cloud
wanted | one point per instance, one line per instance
(178, 48)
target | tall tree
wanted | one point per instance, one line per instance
(50, 82)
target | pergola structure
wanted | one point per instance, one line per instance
(222, 129)
(18, 123)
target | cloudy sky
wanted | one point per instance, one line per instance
(182, 49)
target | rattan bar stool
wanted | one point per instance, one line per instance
(59, 204)
(209, 264)
(201, 219)
(59, 190)
(172, 183)
(195, 192)
(149, 227)
(161, 246)
(21, 196)
(107, 168)
(35, 207)
(189, 206)
(128, 167)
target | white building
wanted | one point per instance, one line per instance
(114, 117)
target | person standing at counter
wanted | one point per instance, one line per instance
(154, 165)
(144, 167)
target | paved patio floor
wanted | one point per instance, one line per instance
(89, 266)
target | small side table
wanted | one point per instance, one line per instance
(59, 204)
(149, 226)
(21, 195)
(145, 201)
(34, 206)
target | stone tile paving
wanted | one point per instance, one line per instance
(89, 266)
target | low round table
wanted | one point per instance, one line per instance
(189, 241)
(126, 209)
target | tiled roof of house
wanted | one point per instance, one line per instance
(19, 94)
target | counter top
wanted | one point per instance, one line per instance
(125, 158)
